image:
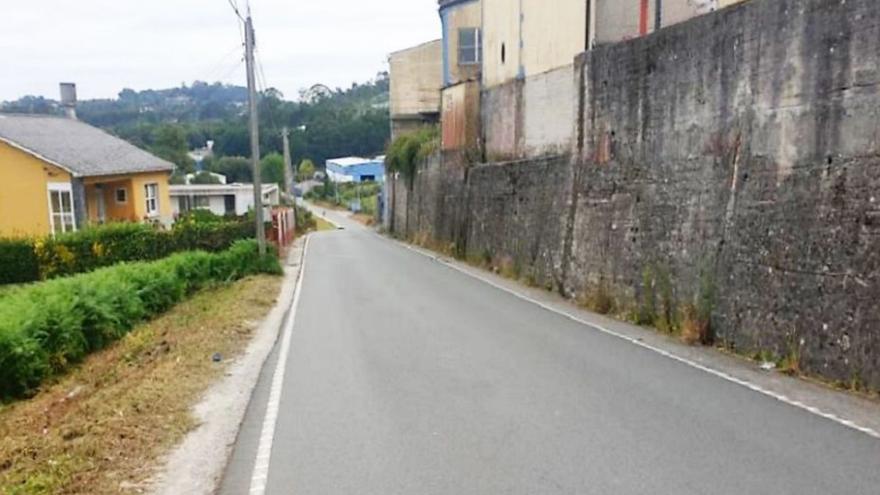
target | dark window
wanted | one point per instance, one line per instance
(121, 195)
(470, 42)
(503, 52)
(229, 204)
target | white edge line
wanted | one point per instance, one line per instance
(720, 374)
(260, 473)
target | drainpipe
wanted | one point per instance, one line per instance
(80, 206)
(658, 15)
(521, 71)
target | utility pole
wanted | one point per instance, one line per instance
(288, 168)
(255, 132)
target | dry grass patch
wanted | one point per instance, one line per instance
(102, 427)
(365, 219)
(322, 224)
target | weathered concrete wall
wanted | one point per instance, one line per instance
(532, 117)
(549, 106)
(502, 115)
(736, 154)
(743, 147)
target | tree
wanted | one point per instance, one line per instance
(306, 170)
(235, 168)
(204, 177)
(272, 169)
(169, 142)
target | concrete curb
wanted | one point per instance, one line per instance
(197, 464)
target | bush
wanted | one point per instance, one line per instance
(18, 262)
(95, 247)
(305, 221)
(405, 153)
(47, 326)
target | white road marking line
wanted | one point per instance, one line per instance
(693, 364)
(260, 473)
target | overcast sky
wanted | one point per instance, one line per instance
(107, 45)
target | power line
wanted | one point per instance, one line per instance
(235, 9)
(222, 64)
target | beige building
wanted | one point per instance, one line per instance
(462, 40)
(528, 37)
(523, 38)
(416, 81)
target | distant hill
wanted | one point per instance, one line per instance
(201, 101)
(338, 122)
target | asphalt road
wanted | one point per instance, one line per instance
(407, 377)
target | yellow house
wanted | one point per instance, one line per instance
(59, 174)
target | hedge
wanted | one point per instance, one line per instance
(47, 326)
(18, 261)
(106, 245)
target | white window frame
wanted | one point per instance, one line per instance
(475, 50)
(61, 188)
(151, 201)
(124, 195)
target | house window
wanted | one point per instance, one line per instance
(61, 216)
(202, 202)
(470, 42)
(122, 195)
(151, 193)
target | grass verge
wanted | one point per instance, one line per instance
(103, 426)
(322, 224)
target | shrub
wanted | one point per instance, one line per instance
(405, 153)
(47, 326)
(18, 262)
(95, 247)
(305, 221)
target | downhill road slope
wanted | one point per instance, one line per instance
(407, 377)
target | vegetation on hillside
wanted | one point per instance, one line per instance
(169, 122)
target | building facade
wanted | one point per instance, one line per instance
(356, 169)
(461, 22)
(416, 77)
(523, 38)
(221, 199)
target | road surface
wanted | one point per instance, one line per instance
(407, 377)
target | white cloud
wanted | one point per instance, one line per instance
(107, 45)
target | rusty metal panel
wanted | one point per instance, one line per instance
(461, 116)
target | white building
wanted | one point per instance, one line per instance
(220, 199)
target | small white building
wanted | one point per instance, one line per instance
(356, 169)
(220, 199)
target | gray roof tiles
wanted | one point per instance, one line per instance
(77, 147)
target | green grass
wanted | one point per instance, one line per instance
(323, 224)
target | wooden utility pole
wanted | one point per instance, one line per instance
(255, 132)
(289, 173)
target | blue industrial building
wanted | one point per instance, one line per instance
(356, 169)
